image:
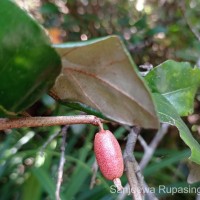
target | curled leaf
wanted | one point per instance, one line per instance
(102, 75)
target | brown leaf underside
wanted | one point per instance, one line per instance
(101, 76)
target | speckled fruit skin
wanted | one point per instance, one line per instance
(108, 154)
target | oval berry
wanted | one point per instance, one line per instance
(108, 154)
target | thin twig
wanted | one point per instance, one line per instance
(143, 143)
(132, 168)
(150, 149)
(48, 121)
(94, 175)
(148, 153)
(49, 140)
(198, 196)
(131, 141)
(61, 163)
(149, 195)
(132, 179)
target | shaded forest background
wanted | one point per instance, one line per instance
(153, 31)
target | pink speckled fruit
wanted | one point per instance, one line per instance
(108, 154)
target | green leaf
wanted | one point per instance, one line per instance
(44, 180)
(28, 192)
(29, 65)
(168, 114)
(166, 162)
(177, 82)
(101, 74)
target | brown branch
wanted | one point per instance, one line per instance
(150, 149)
(148, 153)
(48, 121)
(132, 168)
(61, 163)
(48, 141)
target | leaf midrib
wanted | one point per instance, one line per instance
(179, 90)
(110, 85)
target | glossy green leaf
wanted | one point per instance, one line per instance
(177, 82)
(168, 114)
(101, 74)
(29, 65)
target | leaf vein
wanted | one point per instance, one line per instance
(85, 94)
(110, 85)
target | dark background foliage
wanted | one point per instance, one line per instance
(153, 31)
